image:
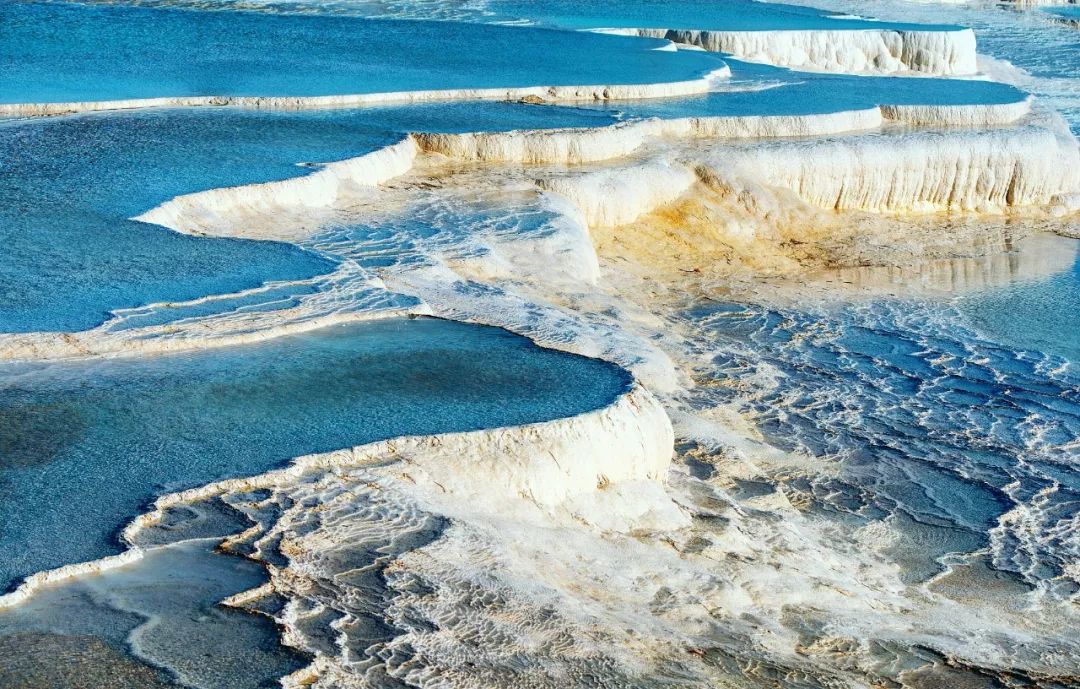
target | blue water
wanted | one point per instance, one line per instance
(800, 93)
(941, 414)
(84, 446)
(723, 15)
(1068, 12)
(69, 184)
(153, 625)
(729, 15)
(65, 52)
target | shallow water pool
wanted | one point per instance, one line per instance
(84, 446)
(55, 53)
(952, 418)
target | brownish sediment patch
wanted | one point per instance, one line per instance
(60, 661)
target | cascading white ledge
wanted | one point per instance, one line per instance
(550, 464)
(943, 53)
(216, 212)
(553, 94)
(989, 171)
(201, 212)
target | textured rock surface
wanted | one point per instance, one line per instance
(888, 51)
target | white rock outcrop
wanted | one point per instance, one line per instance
(550, 464)
(555, 94)
(943, 53)
(215, 212)
(988, 171)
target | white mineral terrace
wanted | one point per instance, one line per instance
(600, 556)
(549, 464)
(943, 53)
(553, 94)
(989, 170)
(615, 174)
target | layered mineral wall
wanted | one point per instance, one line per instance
(839, 50)
(555, 94)
(216, 211)
(550, 464)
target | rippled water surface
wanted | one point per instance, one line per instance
(949, 418)
(957, 419)
(69, 185)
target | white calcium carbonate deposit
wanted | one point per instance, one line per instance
(612, 176)
(572, 552)
(552, 465)
(943, 53)
(202, 211)
(554, 94)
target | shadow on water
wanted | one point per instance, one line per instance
(37, 433)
